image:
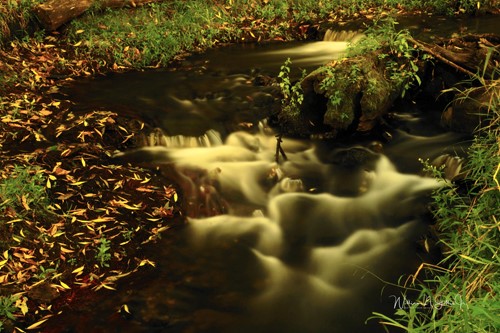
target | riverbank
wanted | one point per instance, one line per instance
(73, 222)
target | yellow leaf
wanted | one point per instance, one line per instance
(78, 44)
(125, 308)
(3, 262)
(147, 262)
(78, 270)
(65, 250)
(123, 129)
(45, 112)
(21, 304)
(472, 259)
(48, 183)
(6, 254)
(79, 31)
(24, 202)
(107, 287)
(78, 183)
(37, 324)
(102, 219)
(130, 207)
(64, 285)
(175, 197)
(83, 162)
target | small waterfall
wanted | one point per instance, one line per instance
(322, 230)
(158, 138)
(333, 46)
(351, 36)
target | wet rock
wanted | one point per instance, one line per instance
(355, 157)
(43, 293)
(262, 99)
(344, 96)
(451, 166)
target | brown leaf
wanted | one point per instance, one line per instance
(65, 196)
(60, 171)
(45, 112)
(24, 202)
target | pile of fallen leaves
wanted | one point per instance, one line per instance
(72, 219)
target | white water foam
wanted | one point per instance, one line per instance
(323, 254)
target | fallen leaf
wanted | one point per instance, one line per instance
(37, 324)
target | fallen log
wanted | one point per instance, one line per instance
(467, 54)
(54, 13)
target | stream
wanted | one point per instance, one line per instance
(312, 243)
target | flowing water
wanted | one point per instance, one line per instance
(310, 243)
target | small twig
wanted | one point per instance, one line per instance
(279, 149)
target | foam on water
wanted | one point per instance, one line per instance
(323, 234)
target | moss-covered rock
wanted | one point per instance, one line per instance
(346, 95)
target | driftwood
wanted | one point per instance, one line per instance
(54, 13)
(467, 54)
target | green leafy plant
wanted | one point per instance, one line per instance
(24, 189)
(17, 18)
(292, 92)
(45, 272)
(103, 256)
(8, 307)
(330, 84)
(400, 56)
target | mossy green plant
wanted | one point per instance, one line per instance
(23, 190)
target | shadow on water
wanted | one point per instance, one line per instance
(310, 244)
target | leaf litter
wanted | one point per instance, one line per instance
(61, 193)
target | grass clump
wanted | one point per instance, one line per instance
(460, 294)
(17, 19)
(23, 190)
(153, 35)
